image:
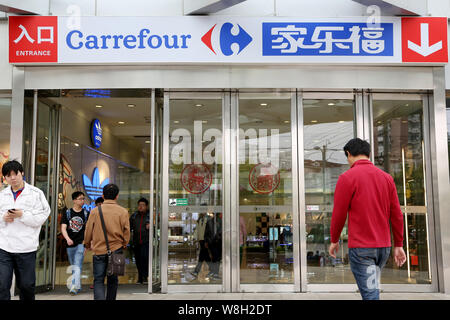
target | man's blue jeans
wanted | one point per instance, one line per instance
(366, 265)
(100, 264)
(76, 256)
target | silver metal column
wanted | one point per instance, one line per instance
(428, 187)
(34, 139)
(234, 197)
(165, 196)
(359, 114)
(152, 194)
(228, 257)
(57, 112)
(440, 178)
(17, 112)
(301, 194)
(295, 193)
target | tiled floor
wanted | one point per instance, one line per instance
(138, 292)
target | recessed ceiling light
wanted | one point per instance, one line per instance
(331, 104)
(286, 121)
(342, 121)
(131, 105)
(98, 106)
(204, 121)
(147, 141)
(121, 122)
(76, 144)
(314, 121)
(199, 105)
(404, 121)
(176, 121)
(406, 105)
(263, 104)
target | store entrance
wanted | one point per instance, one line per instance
(230, 194)
(120, 154)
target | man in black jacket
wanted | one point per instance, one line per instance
(139, 226)
(213, 242)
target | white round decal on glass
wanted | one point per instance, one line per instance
(96, 133)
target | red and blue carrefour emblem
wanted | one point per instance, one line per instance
(227, 39)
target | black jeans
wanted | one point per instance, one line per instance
(100, 264)
(24, 267)
(141, 254)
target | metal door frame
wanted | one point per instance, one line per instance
(226, 254)
(265, 287)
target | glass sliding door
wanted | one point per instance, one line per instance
(398, 149)
(328, 123)
(265, 186)
(46, 179)
(195, 191)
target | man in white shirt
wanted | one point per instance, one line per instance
(23, 210)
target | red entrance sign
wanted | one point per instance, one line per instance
(33, 39)
(424, 40)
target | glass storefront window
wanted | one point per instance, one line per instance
(399, 150)
(5, 132)
(328, 125)
(265, 189)
(195, 191)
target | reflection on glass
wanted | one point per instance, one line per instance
(5, 133)
(43, 181)
(195, 192)
(328, 125)
(265, 189)
(398, 150)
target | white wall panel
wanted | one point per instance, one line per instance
(63, 7)
(251, 8)
(140, 8)
(319, 8)
(5, 67)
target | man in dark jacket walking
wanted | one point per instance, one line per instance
(369, 196)
(140, 225)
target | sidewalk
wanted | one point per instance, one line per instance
(133, 292)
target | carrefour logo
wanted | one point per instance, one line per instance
(227, 39)
(96, 133)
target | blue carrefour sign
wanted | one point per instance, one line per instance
(327, 39)
(96, 133)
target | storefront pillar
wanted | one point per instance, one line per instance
(440, 178)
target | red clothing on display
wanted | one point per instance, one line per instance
(369, 196)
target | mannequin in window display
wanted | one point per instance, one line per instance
(213, 242)
(199, 236)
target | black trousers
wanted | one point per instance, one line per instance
(24, 267)
(203, 256)
(141, 254)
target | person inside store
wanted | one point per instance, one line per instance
(213, 242)
(98, 202)
(199, 236)
(139, 227)
(369, 197)
(23, 211)
(73, 224)
(117, 225)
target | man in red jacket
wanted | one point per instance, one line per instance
(369, 196)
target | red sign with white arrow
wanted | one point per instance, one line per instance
(424, 40)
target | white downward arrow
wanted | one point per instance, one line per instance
(424, 49)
